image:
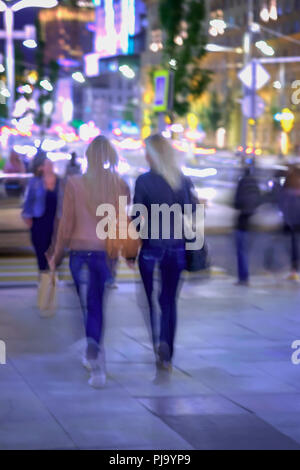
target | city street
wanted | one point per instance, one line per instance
(233, 387)
(118, 331)
(18, 266)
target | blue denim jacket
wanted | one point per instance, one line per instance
(35, 199)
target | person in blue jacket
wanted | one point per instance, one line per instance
(41, 206)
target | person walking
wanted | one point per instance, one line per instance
(247, 199)
(163, 184)
(78, 233)
(73, 168)
(40, 215)
(289, 203)
(15, 165)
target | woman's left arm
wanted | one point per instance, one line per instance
(29, 199)
(66, 224)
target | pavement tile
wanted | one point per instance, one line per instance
(230, 432)
(114, 430)
(180, 406)
(220, 380)
(41, 434)
(268, 402)
(138, 380)
(233, 384)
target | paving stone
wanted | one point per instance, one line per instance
(225, 432)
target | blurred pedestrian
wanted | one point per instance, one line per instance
(290, 206)
(73, 168)
(273, 253)
(77, 232)
(247, 200)
(40, 214)
(163, 184)
(15, 165)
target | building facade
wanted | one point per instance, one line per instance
(66, 35)
(111, 98)
(119, 40)
(98, 37)
(282, 34)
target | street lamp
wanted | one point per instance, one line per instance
(78, 77)
(265, 48)
(273, 11)
(10, 35)
(127, 71)
(30, 43)
(46, 85)
(267, 14)
(217, 26)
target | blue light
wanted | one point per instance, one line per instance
(114, 37)
(131, 7)
(128, 23)
(111, 37)
(125, 27)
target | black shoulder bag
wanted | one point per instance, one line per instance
(196, 260)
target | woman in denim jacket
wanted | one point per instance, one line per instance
(40, 207)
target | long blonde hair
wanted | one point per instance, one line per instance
(101, 176)
(163, 160)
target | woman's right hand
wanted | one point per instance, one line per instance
(28, 222)
(131, 264)
(52, 264)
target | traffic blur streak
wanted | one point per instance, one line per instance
(19, 176)
(214, 175)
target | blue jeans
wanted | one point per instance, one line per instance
(171, 262)
(90, 273)
(241, 238)
(294, 248)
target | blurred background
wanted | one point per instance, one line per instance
(219, 79)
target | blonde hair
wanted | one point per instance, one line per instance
(163, 160)
(101, 174)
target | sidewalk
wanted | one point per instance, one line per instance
(234, 385)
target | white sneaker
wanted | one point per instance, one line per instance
(86, 363)
(98, 374)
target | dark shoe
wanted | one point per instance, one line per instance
(242, 283)
(163, 373)
(164, 366)
(163, 353)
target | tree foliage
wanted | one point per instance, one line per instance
(185, 19)
(214, 112)
(70, 3)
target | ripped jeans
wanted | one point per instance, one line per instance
(171, 263)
